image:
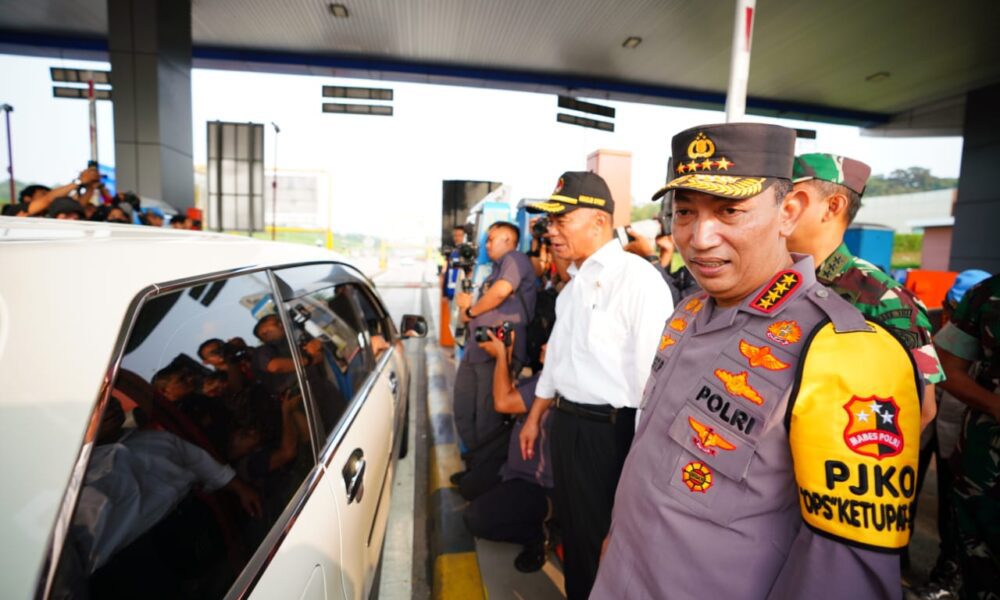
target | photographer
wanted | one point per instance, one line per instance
(231, 358)
(508, 295)
(514, 507)
(449, 277)
(35, 200)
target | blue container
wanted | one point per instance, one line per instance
(872, 243)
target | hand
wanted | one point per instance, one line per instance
(529, 433)
(249, 498)
(463, 300)
(290, 401)
(494, 347)
(640, 246)
(89, 176)
(604, 547)
(313, 347)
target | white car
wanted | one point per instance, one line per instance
(192, 415)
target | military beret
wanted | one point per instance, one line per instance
(850, 173)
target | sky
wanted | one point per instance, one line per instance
(385, 173)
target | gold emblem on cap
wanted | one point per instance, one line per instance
(701, 147)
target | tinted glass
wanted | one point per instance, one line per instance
(376, 322)
(199, 450)
(333, 340)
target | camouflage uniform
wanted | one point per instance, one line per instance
(974, 335)
(882, 299)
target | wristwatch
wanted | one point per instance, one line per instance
(468, 312)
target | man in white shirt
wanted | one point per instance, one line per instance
(608, 324)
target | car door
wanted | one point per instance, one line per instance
(202, 480)
(351, 389)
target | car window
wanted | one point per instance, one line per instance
(376, 322)
(333, 342)
(202, 443)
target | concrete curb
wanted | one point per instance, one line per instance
(456, 573)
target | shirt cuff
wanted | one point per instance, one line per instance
(955, 341)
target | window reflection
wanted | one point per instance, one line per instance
(202, 443)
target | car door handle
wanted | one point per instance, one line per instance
(393, 381)
(354, 476)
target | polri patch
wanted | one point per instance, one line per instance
(697, 477)
(737, 384)
(777, 292)
(678, 324)
(666, 341)
(706, 439)
(784, 332)
(873, 427)
(760, 356)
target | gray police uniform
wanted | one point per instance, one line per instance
(751, 474)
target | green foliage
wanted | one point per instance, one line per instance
(5, 190)
(906, 181)
(906, 249)
(645, 211)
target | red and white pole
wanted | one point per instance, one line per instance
(7, 109)
(92, 100)
(739, 62)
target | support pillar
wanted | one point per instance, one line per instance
(615, 166)
(150, 47)
(974, 242)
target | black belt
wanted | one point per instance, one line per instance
(602, 413)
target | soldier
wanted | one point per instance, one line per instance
(830, 189)
(777, 450)
(972, 340)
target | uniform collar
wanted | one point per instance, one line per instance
(835, 265)
(769, 300)
(607, 255)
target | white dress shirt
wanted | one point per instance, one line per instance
(609, 319)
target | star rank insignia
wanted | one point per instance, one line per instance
(777, 291)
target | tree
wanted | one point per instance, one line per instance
(906, 181)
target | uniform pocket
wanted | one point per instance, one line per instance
(705, 467)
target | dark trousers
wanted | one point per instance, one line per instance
(587, 459)
(512, 511)
(483, 473)
(475, 417)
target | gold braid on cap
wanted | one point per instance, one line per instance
(722, 185)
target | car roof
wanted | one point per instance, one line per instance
(65, 290)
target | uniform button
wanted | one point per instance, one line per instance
(822, 293)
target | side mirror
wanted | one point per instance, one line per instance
(413, 326)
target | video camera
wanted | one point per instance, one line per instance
(501, 331)
(539, 228)
(464, 257)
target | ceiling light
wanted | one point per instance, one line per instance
(880, 76)
(339, 11)
(632, 42)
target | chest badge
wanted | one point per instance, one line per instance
(760, 356)
(694, 305)
(697, 477)
(873, 427)
(706, 439)
(666, 341)
(777, 292)
(739, 386)
(784, 332)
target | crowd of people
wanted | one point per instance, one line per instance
(755, 424)
(87, 198)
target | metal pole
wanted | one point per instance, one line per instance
(739, 61)
(92, 100)
(7, 108)
(274, 184)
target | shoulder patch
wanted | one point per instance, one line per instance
(854, 432)
(777, 291)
